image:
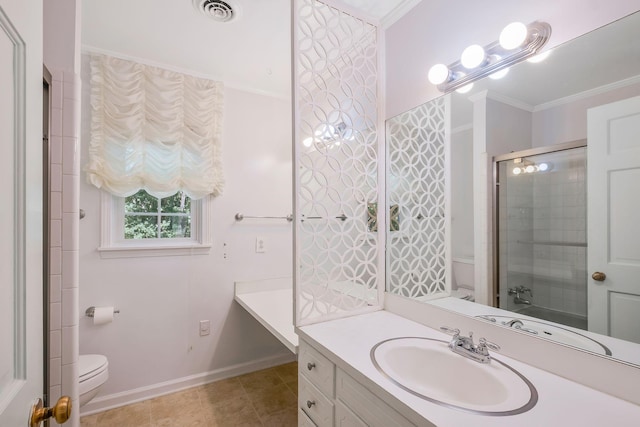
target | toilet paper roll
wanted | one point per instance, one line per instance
(102, 315)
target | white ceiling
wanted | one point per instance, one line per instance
(252, 52)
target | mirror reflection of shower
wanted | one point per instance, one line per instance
(542, 233)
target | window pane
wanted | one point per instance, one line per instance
(141, 202)
(140, 227)
(176, 226)
(178, 203)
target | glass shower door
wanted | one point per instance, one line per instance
(542, 235)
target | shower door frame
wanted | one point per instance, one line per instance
(547, 149)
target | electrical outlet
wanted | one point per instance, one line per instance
(260, 245)
(205, 327)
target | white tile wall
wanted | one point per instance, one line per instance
(547, 207)
(64, 310)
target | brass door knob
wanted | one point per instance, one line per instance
(60, 412)
(598, 276)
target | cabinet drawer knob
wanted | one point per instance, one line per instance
(310, 403)
(310, 366)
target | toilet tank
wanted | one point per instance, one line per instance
(463, 273)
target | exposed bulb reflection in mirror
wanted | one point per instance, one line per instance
(540, 57)
(499, 74)
(465, 89)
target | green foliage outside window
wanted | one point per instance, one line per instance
(149, 217)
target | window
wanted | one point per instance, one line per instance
(149, 217)
(145, 225)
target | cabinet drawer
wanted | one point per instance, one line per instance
(367, 406)
(304, 420)
(317, 368)
(314, 403)
(346, 418)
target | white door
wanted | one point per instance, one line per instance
(613, 163)
(21, 209)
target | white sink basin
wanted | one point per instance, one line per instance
(429, 369)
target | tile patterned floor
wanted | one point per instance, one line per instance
(266, 398)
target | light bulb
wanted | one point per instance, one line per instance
(516, 171)
(539, 57)
(472, 56)
(499, 74)
(513, 35)
(529, 169)
(542, 167)
(438, 74)
(465, 88)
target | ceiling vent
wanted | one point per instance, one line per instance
(218, 10)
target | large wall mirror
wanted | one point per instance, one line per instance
(562, 136)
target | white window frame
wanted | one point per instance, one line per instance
(114, 245)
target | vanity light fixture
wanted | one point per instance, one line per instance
(517, 42)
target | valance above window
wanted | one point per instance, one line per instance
(154, 129)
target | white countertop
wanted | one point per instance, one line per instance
(561, 402)
(270, 302)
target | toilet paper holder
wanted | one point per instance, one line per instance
(89, 312)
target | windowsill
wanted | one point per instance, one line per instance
(130, 251)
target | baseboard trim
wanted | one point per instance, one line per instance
(115, 400)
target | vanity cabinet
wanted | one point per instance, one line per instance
(328, 396)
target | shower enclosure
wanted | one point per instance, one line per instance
(541, 222)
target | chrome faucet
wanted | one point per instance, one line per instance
(514, 323)
(517, 292)
(465, 346)
(519, 325)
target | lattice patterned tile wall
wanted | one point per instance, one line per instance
(336, 162)
(416, 182)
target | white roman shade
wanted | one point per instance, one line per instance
(153, 129)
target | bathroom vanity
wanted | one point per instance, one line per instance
(339, 385)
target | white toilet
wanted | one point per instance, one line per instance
(463, 280)
(94, 371)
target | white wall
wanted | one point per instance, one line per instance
(462, 187)
(61, 56)
(155, 337)
(436, 31)
(567, 121)
(62, 35)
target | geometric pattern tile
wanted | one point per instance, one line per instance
(336, 161)
(416, 254)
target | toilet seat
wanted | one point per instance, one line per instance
(93, 372)
(90, 365)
